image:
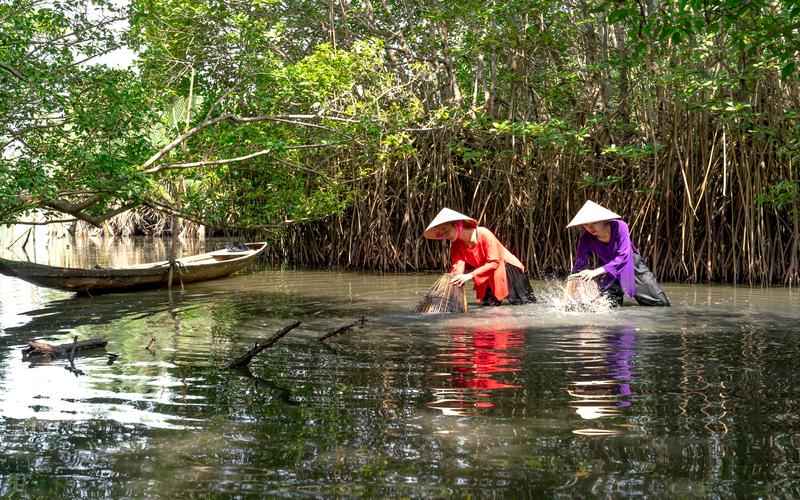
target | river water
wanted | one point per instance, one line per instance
(697, 400)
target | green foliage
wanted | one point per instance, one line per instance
(66, 126)
(780, 195)
(609, 181)
(633, 152)
(328, 72)
(470, 155)
(323, 99)
(396, 145)
(552, 133)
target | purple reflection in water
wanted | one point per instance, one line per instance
(620, 362)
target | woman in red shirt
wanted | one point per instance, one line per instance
(477, 255)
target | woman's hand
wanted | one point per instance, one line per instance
(589, 274)
(460, 279)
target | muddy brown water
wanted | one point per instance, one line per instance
(698, 400)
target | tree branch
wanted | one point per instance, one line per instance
(14, 71)
(77, 34)
(163, 207)
(93, 56)
(36, 223)
(228, 117)
(212, 163)
(209, 163)
(77, 211)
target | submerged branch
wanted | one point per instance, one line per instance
(245, 358)
(343, 329)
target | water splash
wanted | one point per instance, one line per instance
(555, 294)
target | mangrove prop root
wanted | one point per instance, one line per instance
(245, 358)
(343, 329)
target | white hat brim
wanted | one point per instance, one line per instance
(446, 216)
(592, 212)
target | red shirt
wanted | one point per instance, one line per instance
(487, 259)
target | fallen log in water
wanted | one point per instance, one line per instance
(42, 348)
(245, 358)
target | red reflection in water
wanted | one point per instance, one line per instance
(479, 355)
(475, 358)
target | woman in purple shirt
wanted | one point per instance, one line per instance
(622, 270)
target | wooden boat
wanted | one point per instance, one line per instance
(201, 267)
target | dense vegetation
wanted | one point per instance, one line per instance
(341, 127)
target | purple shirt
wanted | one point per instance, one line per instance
(616, 256)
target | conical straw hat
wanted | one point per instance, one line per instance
(443, 217)
(592, 212)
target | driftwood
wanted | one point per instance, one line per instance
(37, 348)
(245, 358)
(343, 329)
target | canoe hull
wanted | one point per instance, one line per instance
(203, 267)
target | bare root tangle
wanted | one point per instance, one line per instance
(694, 216)
(687, 175)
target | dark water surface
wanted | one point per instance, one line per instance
(699, 400)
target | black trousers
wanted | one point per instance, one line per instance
(519, 289)
(648, 291)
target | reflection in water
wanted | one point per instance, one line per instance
(601, 385)
(473, 359)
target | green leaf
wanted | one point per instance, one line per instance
(617, 15)
(788, 70)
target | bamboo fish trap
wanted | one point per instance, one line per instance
(581, 292)
(444, 297)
